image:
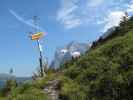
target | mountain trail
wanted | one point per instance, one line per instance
(52, 90)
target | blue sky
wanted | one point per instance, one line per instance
(63, 21)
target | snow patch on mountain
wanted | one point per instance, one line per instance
(73, 49)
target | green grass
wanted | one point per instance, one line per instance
(104, 73)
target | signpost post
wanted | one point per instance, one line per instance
(36, 37)
(40, 58)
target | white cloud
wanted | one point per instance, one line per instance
(100, 22)
(113, 19)
(95, 3)
(66, 11)
(66, 15)
(74, 13)
(27, 22)
(130, 8)
(72, 23)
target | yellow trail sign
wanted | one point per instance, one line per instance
(37, 36)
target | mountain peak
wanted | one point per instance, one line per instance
(65, 53)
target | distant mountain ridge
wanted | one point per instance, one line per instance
(65, 53)
(4, 76)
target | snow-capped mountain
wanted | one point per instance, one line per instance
(66, 53)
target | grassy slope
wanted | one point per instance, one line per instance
(105, 73)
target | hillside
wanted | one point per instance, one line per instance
(105, 72)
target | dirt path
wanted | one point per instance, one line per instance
(51, 90)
